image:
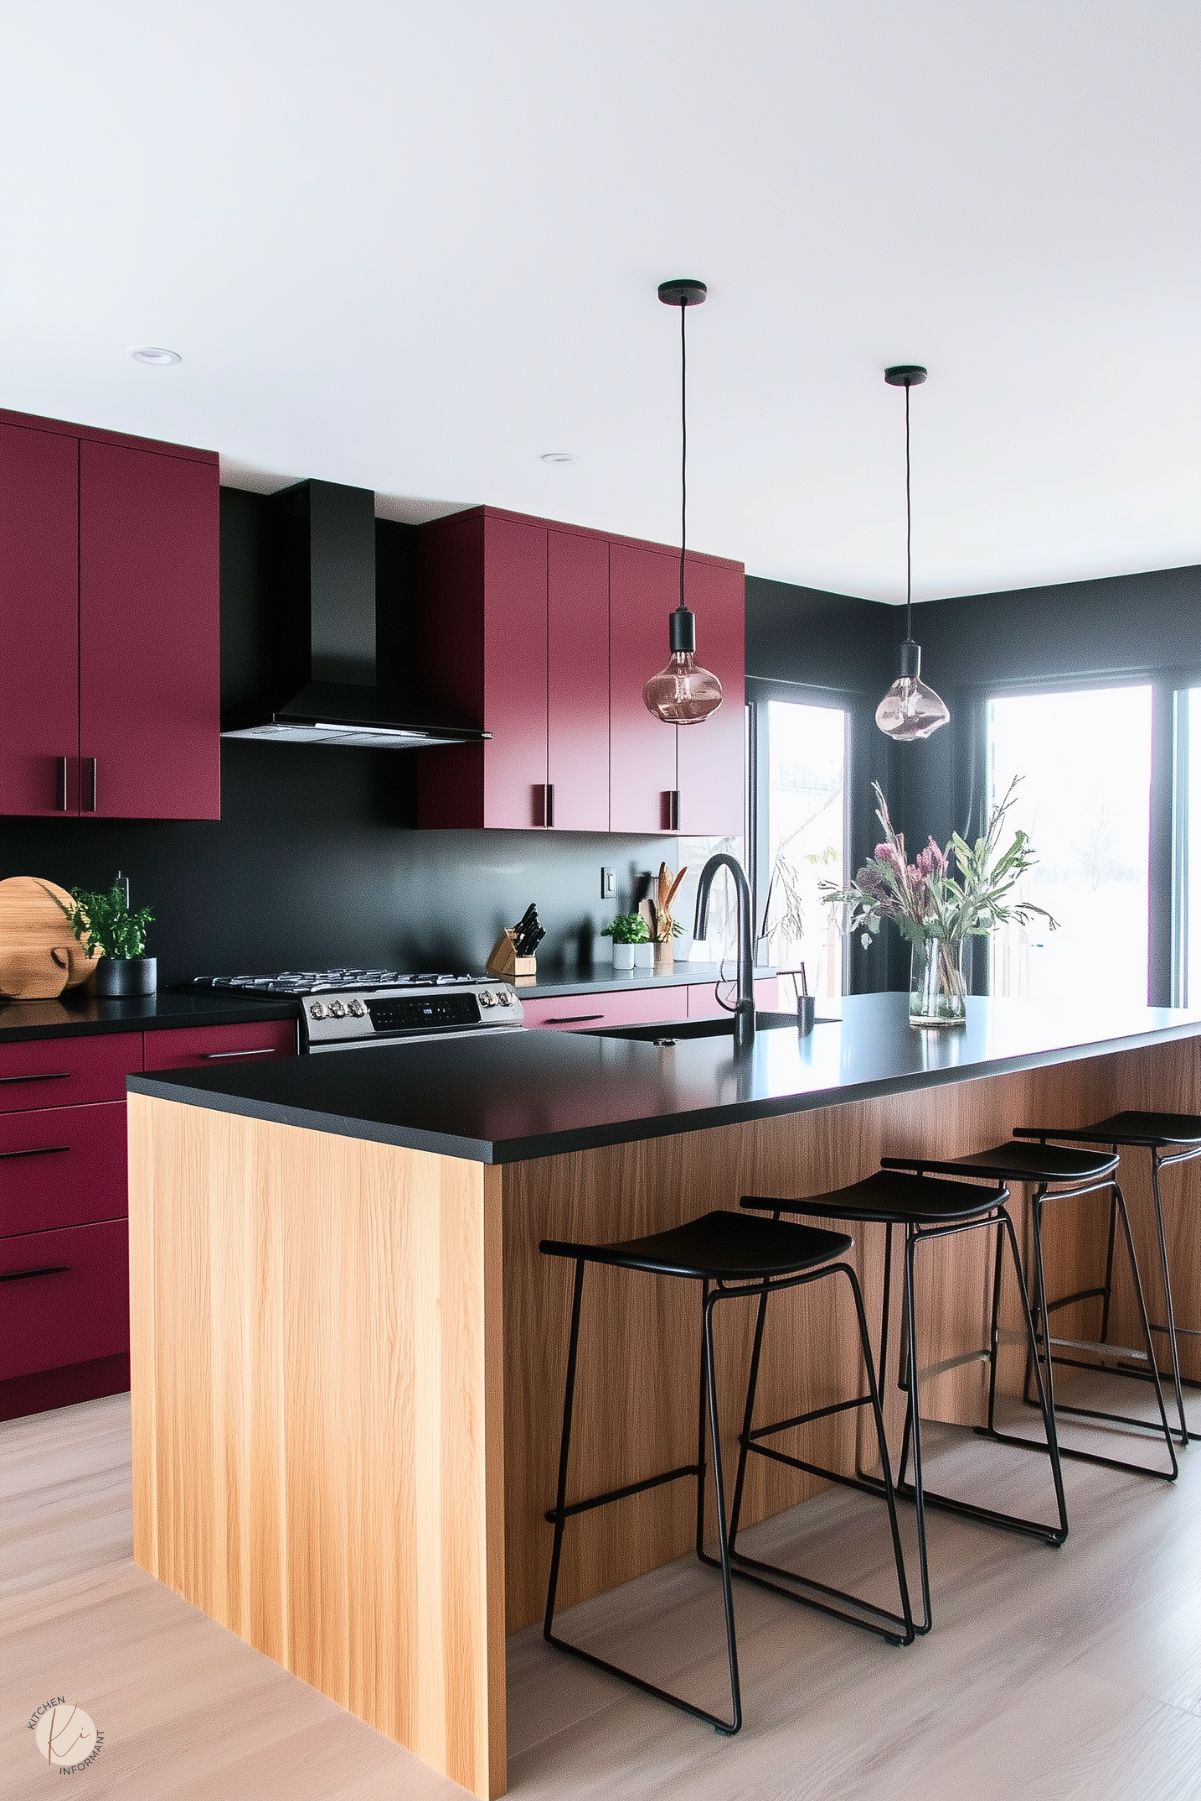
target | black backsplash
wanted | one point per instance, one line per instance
(315, 860)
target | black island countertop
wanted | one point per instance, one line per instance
(510, 1097)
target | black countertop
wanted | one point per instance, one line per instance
(71, 1018)
(509, 1097)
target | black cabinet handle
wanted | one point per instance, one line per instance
(267, 1050)
(51, 1075)
(23, 1275)
(673, 809)
(550, 803)
(572, 1019)
(41, 1150)
(61, 769)
(91, 763)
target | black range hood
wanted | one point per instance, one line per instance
(323, 685)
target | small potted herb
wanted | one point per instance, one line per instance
(627, 931)
(101, 921)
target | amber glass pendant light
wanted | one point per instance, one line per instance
(683, 693)
(911, 708)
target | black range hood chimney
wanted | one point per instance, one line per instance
(324, 685)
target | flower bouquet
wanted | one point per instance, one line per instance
(945, 896)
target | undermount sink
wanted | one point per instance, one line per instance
(668, 1031)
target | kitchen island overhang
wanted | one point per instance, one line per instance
(347, 1351)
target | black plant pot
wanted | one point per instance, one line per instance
(119, 977)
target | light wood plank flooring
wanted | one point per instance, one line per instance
(1070, 1675)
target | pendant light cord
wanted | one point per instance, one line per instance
(908, 530)
(683, 442)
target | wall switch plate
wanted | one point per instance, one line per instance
(608, 883)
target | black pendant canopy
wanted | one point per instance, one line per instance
(911, 709)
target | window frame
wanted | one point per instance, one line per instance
(759, 694)
(1167, 874)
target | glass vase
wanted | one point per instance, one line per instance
(937, 989)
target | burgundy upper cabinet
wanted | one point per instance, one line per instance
(711, 757)
(110, 612)
(149, 635)
(545, 635)
(577, 678)
(516, 639)
(644, 586)
(39, 622)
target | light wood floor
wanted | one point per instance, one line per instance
(1071, 1675)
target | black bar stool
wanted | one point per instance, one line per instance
(731, 1257)
(1055, 1173)
(925, 1208)
(1170, 1138)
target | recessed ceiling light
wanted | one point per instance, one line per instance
(559, 456)
(155, 355)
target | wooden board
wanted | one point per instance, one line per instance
(39, 957)
(317, 1414)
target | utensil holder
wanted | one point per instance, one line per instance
(505, 962)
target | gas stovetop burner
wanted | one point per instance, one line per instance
(330, 981)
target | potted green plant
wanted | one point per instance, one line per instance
(101, 920)
(626, 931)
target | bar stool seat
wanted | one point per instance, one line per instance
(1056, 1172)
(1133, 1128)
(889, 1196)
(724, 1247)
(1170, 1138)
(731, 1256)
(926, 1206)
(1015, 1161)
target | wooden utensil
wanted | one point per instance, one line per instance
(38, 955)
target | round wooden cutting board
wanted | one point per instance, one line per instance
(38, 955)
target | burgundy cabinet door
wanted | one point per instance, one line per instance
(39, 622)
(64, 1297)
(643, 588)
(577, 674)
(208, 1047)
(712, 756)
(149, 635)
(62, 1166)
(514, 672)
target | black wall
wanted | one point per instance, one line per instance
(1132, 626)
(314, 860)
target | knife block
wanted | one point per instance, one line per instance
(505, 962)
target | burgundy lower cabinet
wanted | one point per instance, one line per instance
(202, 1047)
(42, 1073)
(64, 1298)
(64, 1269)
(633, 1007)
(64, 1166)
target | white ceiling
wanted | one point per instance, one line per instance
(414, 247)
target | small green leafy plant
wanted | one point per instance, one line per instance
(627, 928)
(100, 919)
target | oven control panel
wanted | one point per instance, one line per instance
(391, 1015)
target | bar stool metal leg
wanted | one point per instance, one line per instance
(1169, 1309)
(897, 1629)
(1045, 1357)
(562, 1512)
(917, 1491)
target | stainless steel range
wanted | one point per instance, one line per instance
(352, 1009)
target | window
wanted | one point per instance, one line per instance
(1084, 759)
(1188, 847)
(801, 835)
